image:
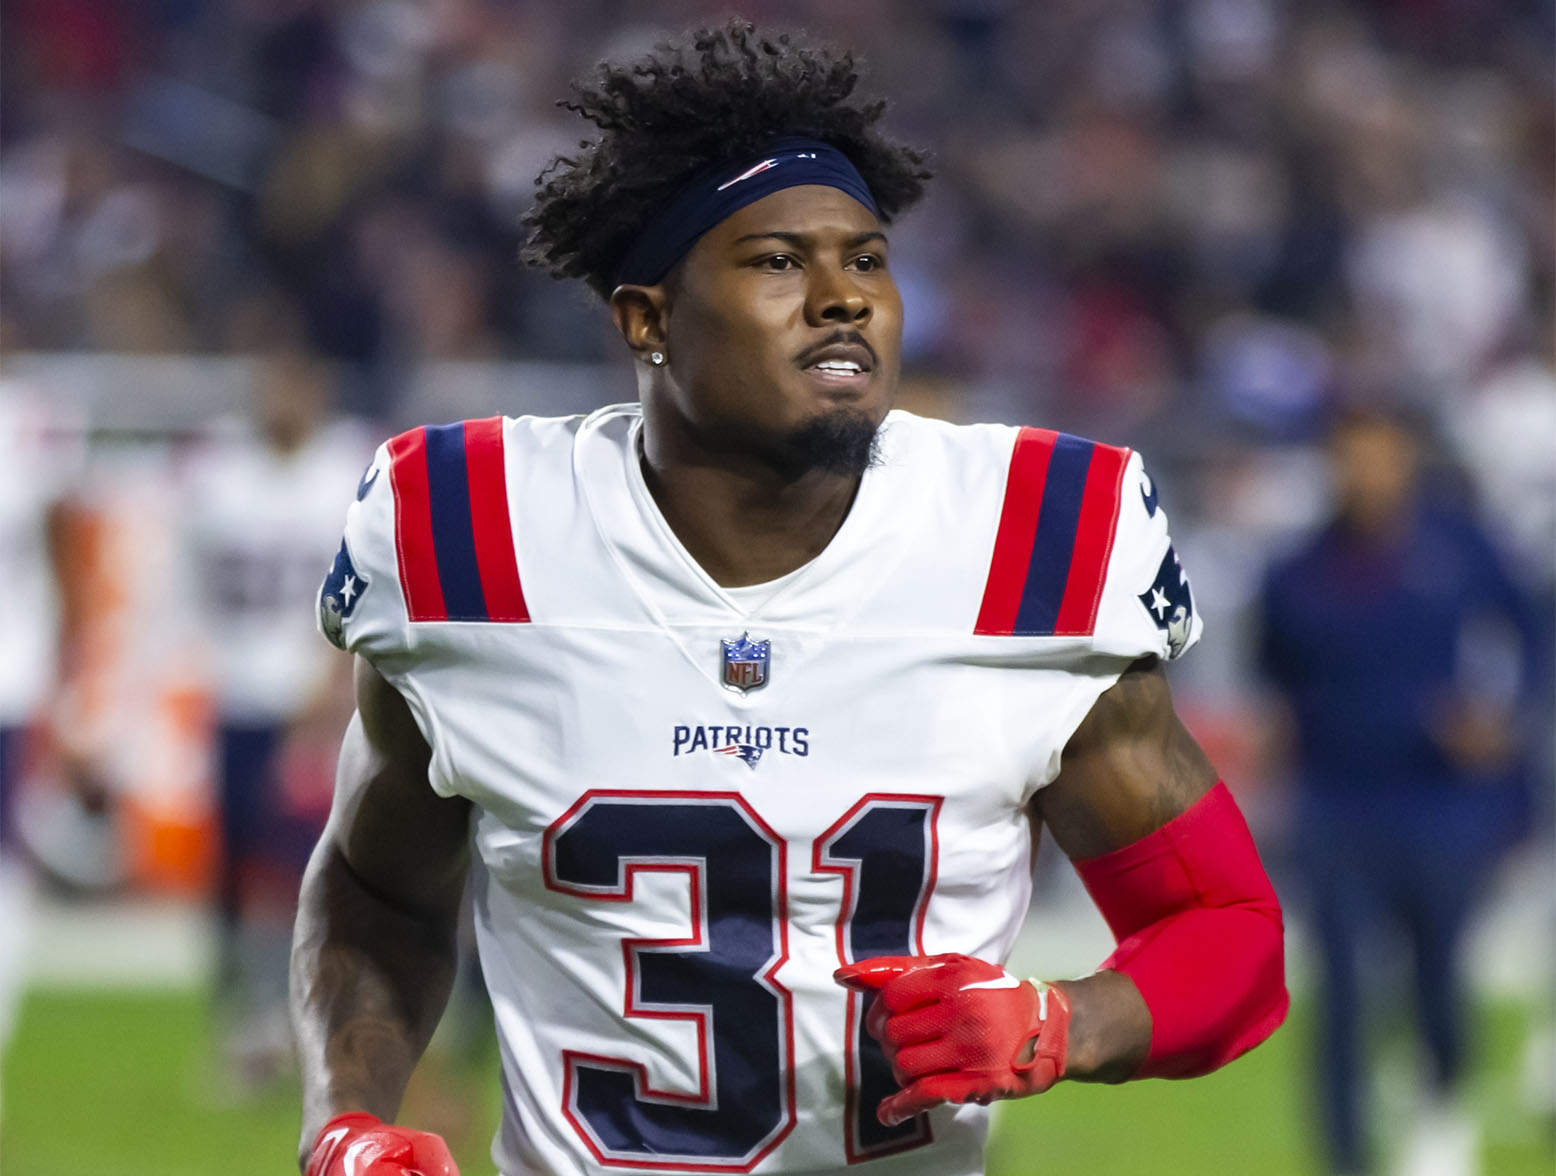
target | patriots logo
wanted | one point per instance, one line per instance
(754, 170)
(1171, 603)
(758, 168)
(338, 597)
(369, 476)
(749, 754)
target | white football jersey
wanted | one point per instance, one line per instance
(690, 812)
(259, 525)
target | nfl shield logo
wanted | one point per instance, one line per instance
(745, 663)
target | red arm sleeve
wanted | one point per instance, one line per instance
(1199, 932)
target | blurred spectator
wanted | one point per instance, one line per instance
(1506, 430)
(260, 538)
(1405, 653)
(39, 457)
(38, 452)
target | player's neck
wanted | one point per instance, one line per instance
(745, 523)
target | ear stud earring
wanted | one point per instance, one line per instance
(656, 357)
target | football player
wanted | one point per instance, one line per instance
(256, 528)
(739, 707)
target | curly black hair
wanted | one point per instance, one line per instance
(726, 94)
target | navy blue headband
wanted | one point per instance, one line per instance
(716, 193)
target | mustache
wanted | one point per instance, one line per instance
(845, 338)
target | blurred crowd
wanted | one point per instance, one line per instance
(1146, 211)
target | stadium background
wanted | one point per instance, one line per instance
(1184, 225)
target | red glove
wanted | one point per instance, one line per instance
(359, 1144)
(958, 1029)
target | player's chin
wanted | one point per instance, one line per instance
(840, 439)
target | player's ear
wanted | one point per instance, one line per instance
(639, 313)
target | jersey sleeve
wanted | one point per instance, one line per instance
(1147, 606)
(427, 550)
(361, 606)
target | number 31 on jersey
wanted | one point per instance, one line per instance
(722, 977)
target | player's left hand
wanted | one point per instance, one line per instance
(957, 1029)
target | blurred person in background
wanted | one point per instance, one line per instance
(565, 630)
(34, 483)
(259, 530)
(40, 452)
(1407, 656)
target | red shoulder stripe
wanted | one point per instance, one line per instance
(490, 522)
(1093, 542)
(1018, 527)
(414, 546)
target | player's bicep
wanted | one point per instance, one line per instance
(401, 839)
(1130, 767)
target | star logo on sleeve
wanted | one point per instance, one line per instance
(1170, 603)
(343, 588)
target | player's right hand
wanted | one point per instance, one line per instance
(359, 1144)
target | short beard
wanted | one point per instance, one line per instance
(841, 442)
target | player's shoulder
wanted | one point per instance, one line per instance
(531, 436)
(908, 439)
(430, 534)
(1081, 546)
(1050, 487)
(441, 468)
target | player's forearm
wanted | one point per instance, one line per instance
(1200, 936)
(1110, 1028)
(1113, 1034)
(369, 983)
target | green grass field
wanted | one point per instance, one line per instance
(123, 1084)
